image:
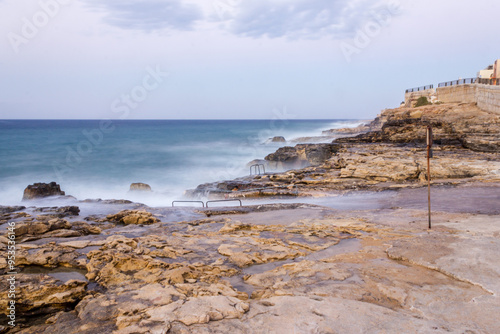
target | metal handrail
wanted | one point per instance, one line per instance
(202, 204)
(257, 166)
(491, 82)
(418, 89)
(226, 200)
(458, 82)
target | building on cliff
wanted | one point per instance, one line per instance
(491, 73)
(487, 73)
(484, 90)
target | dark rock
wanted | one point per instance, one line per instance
(41, 190)
(277, 139)
(316, 154)
(10, 209)
(116, 201)
(140, 187)
(303, 154)
(284, 154)
(60, 212)
(482, 142)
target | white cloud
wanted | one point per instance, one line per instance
(300, 19)
(148, 15)
(294, 19)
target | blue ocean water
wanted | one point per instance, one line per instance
(100, 159)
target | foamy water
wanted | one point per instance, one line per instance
(93, 159)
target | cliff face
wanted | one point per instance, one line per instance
(389, 152)
(462, 125)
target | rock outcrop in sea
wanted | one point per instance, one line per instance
(140, 187)
(41, 190)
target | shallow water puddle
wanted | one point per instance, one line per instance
(62, 274)
(345, 246)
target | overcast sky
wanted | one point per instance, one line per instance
(171, 59)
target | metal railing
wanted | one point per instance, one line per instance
(256, 167)
(226, 200)
(202, 204)
(492, 82)
(419, 89)
(458, 82)
(467, 81)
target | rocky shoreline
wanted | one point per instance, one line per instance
(389, 152)
(359, 263)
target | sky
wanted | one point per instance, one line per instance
(233, 59)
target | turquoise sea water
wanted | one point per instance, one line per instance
(100, 159)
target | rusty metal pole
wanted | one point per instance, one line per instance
(429, 154)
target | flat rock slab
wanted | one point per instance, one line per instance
(296, 314)
(466, 257)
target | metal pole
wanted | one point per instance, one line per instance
(429, 147)
(429, 182)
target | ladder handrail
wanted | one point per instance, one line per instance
(258, 166)
(202, 204)
(226, 200)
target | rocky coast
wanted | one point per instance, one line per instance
(333, 240)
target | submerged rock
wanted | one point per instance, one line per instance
(41, 190)
(10, 209)
(60, 212)
(277, 139)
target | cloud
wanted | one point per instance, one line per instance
(307, 19)
(148, 15)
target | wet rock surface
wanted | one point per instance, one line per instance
(358, 263)
(270, 268)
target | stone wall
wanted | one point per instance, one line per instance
(457, 94)
(411, 98)
(486, 97)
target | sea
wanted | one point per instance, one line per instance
(99, 159)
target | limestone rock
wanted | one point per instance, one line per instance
(200, 310)
(135, 217)
(42, 294)
(50, 255)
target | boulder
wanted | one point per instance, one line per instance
(133, 217)
(41, 190)
(303, 155)
(285, 154)
(140, 187)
